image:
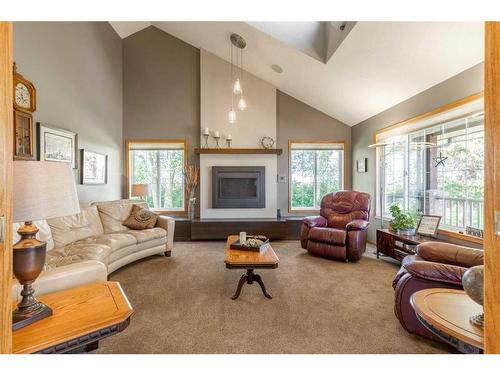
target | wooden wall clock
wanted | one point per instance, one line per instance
(24, 106)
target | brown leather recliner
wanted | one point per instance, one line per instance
(435, 265)
(341, 229)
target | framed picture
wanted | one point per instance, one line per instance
(428, 225)
(362, 165)
(94, 168)
(57, 145)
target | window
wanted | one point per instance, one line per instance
(316, 168)
(412, 176)
(159, 165)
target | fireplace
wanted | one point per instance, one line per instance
(238, 187)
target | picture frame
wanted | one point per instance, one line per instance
(428, 225)
(57, 145)
(93, 168)
(362, 165)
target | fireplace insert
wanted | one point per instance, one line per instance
(238, 187)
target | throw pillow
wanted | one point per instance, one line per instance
(140, 218)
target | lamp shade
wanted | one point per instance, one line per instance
(139, 190)
(43, 190)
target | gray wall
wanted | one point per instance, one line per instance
(76, 68)
(161, 88)
(297, 121)
(460, 86)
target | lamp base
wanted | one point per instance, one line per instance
(24, 317)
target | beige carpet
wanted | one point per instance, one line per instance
(182, 305)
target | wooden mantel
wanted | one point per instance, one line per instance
(265, 151)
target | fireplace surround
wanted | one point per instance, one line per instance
(238, 187)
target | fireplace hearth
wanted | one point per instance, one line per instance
(238, 187)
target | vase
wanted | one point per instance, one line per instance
(407, 232)
(472, 281)
(191, 208)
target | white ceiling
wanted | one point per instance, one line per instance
(378, 65)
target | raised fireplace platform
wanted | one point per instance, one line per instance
(219, 229)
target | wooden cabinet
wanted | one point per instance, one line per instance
(398, 246)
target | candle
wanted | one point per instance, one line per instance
(206, 131)
(216, 135)
(229, 137)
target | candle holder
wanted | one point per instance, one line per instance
(228, 142)
(206, 136)
(217, 141)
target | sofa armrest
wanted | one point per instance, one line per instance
(315, 221)
(448, 253)
(167, 223)
(439, 272)
(65, 277)
(357, 225)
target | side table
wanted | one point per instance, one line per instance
(446, 312)
(81, 317)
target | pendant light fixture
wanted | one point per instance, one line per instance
(236, 79)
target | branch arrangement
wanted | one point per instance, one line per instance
(191, 173)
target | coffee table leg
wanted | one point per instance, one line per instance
(243, 280)
(263, 287)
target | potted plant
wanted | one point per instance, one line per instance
(403, 223)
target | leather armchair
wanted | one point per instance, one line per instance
(341, 229)
(435, 265)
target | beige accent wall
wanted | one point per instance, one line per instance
(297, 121)
(460, 86)
(76, 68)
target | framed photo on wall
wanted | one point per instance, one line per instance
(57, 145)
(428, 225)
(94, 168)
(362, 165)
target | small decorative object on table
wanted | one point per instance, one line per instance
(206, 135)
(267, 142)
(473, 283)
(403, 223)
(229, 139)
(217, 137)
(251, 243)
(476, 232)
(43, 190)
(191, 173)
(428, 225)
(140, 191)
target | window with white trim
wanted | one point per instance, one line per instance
(437, 170)
(316, 168)
(159, 165)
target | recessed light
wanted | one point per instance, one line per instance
(277, 68)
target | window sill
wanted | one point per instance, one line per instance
(461, 236)
(304, 212)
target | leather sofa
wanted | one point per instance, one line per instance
(435, 265)
(341, 229)
(86, 247)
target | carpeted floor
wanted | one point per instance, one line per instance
(182, 305)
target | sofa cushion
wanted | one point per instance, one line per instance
(114, 240)
(140, 218)
(74, 253)
(69, 229)
(114, 213)
(328, 235)
(148, 234)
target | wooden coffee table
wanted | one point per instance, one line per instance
(249, 260)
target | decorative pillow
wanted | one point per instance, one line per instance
(140, 218)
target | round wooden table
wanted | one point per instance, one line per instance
(446, 312)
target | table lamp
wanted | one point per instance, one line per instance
(139, 190)
(42, 190)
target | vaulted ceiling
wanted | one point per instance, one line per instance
(350, 74)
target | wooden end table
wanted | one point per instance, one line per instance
(397, 246)
(446, 312)
(81, 317)
(249, 260)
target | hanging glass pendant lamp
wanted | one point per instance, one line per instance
(236, 79)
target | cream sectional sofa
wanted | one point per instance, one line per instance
(86, 247)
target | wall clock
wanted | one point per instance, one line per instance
(24, 106)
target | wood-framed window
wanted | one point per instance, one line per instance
(158, 164)
(315, 169)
